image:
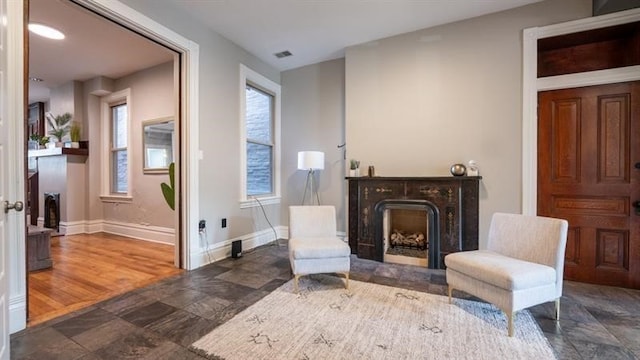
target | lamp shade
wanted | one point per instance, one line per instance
(308, 160)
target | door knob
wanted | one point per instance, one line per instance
(17, 206)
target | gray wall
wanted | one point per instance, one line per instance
(152, 97)
(313, 119)
(219, 180)
(411, 105)
(417, 103)
(421, 101)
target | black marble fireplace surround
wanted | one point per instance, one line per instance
(451, 204)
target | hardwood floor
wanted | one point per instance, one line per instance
(90, 268)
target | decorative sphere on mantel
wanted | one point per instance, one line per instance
(458, 170)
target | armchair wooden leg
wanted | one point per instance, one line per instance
(346, 276)
(510, 316)
(450, 290)
(558, 309)
(295, 282)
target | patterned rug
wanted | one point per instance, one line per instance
(370, 321)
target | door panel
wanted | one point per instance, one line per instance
(587, 153)
(5, 220)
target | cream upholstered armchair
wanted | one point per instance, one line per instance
(314, 247)
(521, 267)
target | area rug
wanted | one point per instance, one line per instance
(370, 321)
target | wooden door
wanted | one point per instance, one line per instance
(589, 174)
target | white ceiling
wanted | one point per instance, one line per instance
(320, 30)
(93, 47)
(313, 30)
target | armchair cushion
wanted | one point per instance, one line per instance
(318, 248)
(501, 271)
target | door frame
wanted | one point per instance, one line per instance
(188, 214)
(531, 85)
(188, 203)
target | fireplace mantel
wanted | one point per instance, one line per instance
(456, 199)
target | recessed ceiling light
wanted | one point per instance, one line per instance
(35, 79)
(46, 31)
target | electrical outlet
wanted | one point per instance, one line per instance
(202, 225)
(224, 223)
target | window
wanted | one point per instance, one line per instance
(116, 177)
(118, 158)
(260, 123)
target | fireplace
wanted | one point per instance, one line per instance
(52, 210)
(406, 231)
(449, 207)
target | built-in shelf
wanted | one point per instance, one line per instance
(57, 151)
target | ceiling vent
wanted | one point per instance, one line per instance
(283, 54)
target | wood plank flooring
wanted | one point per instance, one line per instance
(89, 268)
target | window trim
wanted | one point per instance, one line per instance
(248, 76)
(106, 102)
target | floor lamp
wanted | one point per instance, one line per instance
(310, 161)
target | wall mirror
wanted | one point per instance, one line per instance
(158, 137)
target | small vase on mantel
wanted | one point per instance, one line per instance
(354, 172)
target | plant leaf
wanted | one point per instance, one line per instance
(169, 195)
(172, 175)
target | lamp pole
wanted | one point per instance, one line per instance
(309, 185)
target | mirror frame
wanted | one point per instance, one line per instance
(145, 124)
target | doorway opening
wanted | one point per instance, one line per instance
(72, 78)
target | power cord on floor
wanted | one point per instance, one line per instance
(203, 241)
(275, 234)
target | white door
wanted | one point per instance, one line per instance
(11, 157)
(4, 219)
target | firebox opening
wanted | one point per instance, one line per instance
(52, 211)
(406, 236)
(421, 217)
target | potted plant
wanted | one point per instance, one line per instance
(34, 142)
(354, 167)
(74, 134)
(59, 125)
(43, 141)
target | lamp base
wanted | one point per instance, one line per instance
(310, 188)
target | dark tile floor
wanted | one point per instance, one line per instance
(162, 320)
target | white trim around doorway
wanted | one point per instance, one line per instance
(189, 97)
(531, 85)
(189, 115)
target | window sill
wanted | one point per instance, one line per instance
(249, 203)
(125, 199)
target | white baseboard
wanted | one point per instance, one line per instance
(143, 232)
(17, 313)
(72, 227)
(222, 250)
(152, 233)
(93, 226)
